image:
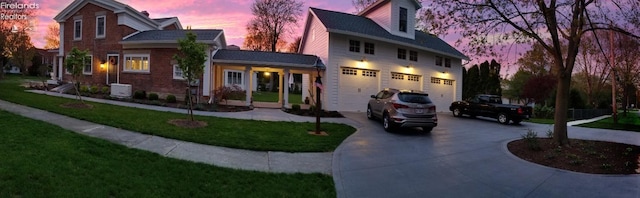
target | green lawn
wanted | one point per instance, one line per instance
(233, 133)
(630, 122)
(42, 160)
(267, 96)
(540, 120)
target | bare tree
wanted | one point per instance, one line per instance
(362, 4)
(52, 38)
(293, 47)
(555, 25)
(592, 69)
(273, 20)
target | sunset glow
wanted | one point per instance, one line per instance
(228, 15)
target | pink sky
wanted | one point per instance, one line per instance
(229, 15)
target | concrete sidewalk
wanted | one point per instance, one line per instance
(579, 122)
(279, 162)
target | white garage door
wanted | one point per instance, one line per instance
(356, 88)
(404, 81)
(441, 92)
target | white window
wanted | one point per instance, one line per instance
(397, 76)
(136, 63)
(77, 29)
(177, 72)
(368, 73)
(435, 80)
(414, 78)
(88, 65)
(234, 77)
(347, 71)
(101, 26)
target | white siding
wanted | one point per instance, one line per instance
(385, 61)
(411, 18)
(382, 16)
(125, 19)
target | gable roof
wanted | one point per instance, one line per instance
(349, 24)
(171, 36)
(112, 5)
(266, 58)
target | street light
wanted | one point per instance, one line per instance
(319, 66)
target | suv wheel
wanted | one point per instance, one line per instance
(369, 113)
(503, 119)
(387, 123)
(456, 112)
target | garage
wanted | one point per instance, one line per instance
(356, 88)
(404, 81)
(441, 92)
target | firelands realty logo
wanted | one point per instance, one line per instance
(15, 11)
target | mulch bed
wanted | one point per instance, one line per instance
(187, 123)
(306, 112)
(583, 156)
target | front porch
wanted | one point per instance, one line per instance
(269, 79)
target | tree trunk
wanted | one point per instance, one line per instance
(560, 115)
(76, 86)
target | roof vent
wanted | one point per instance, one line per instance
(145, 13)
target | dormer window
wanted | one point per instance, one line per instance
(77, 29)
(403, 20)
(100, 26)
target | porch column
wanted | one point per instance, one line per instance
(286, 88)
(280, 87)
(247, 82)
(60, 68)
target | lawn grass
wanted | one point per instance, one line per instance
(226, 132)
(629, 122)
(267, 96)
(43, 160)
(541, 120)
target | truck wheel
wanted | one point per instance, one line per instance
(503, 119)
(517, 121)
(387, 123)
(457, 112)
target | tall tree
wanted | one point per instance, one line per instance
(52, 38)
(8, 39)
(74, 63)
(191, 58)
(536, 60)
(554, 24)
(20, 50)
(272, 20)
(592, 69)
(515, 85)
(293, 47)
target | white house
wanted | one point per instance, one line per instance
(379, 48)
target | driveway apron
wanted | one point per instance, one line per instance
(464, 157)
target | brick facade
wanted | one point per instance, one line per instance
(158, 80)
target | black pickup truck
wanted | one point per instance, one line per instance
(491, 106)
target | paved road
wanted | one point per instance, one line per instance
(464, 157)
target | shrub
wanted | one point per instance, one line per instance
(171, 99)
(105, 90)
(153, 96)
(84, 89)
(295, 107)
(139, 94)
(94, 89)
(549, 133)
(229, 93)
(546, 112)
(531, 138)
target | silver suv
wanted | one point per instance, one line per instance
(403, 108)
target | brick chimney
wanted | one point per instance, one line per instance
(145, 13)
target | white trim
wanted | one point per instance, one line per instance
(104, 26)
(84, 65)
(77, 37)
(124, 65)
(176, 68)
(226, 80)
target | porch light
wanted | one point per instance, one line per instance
(267, 73)
(364, 59)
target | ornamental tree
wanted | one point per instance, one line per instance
(191, 58)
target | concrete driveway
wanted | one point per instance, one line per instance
(464, 157)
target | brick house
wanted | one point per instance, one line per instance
(128, 47)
